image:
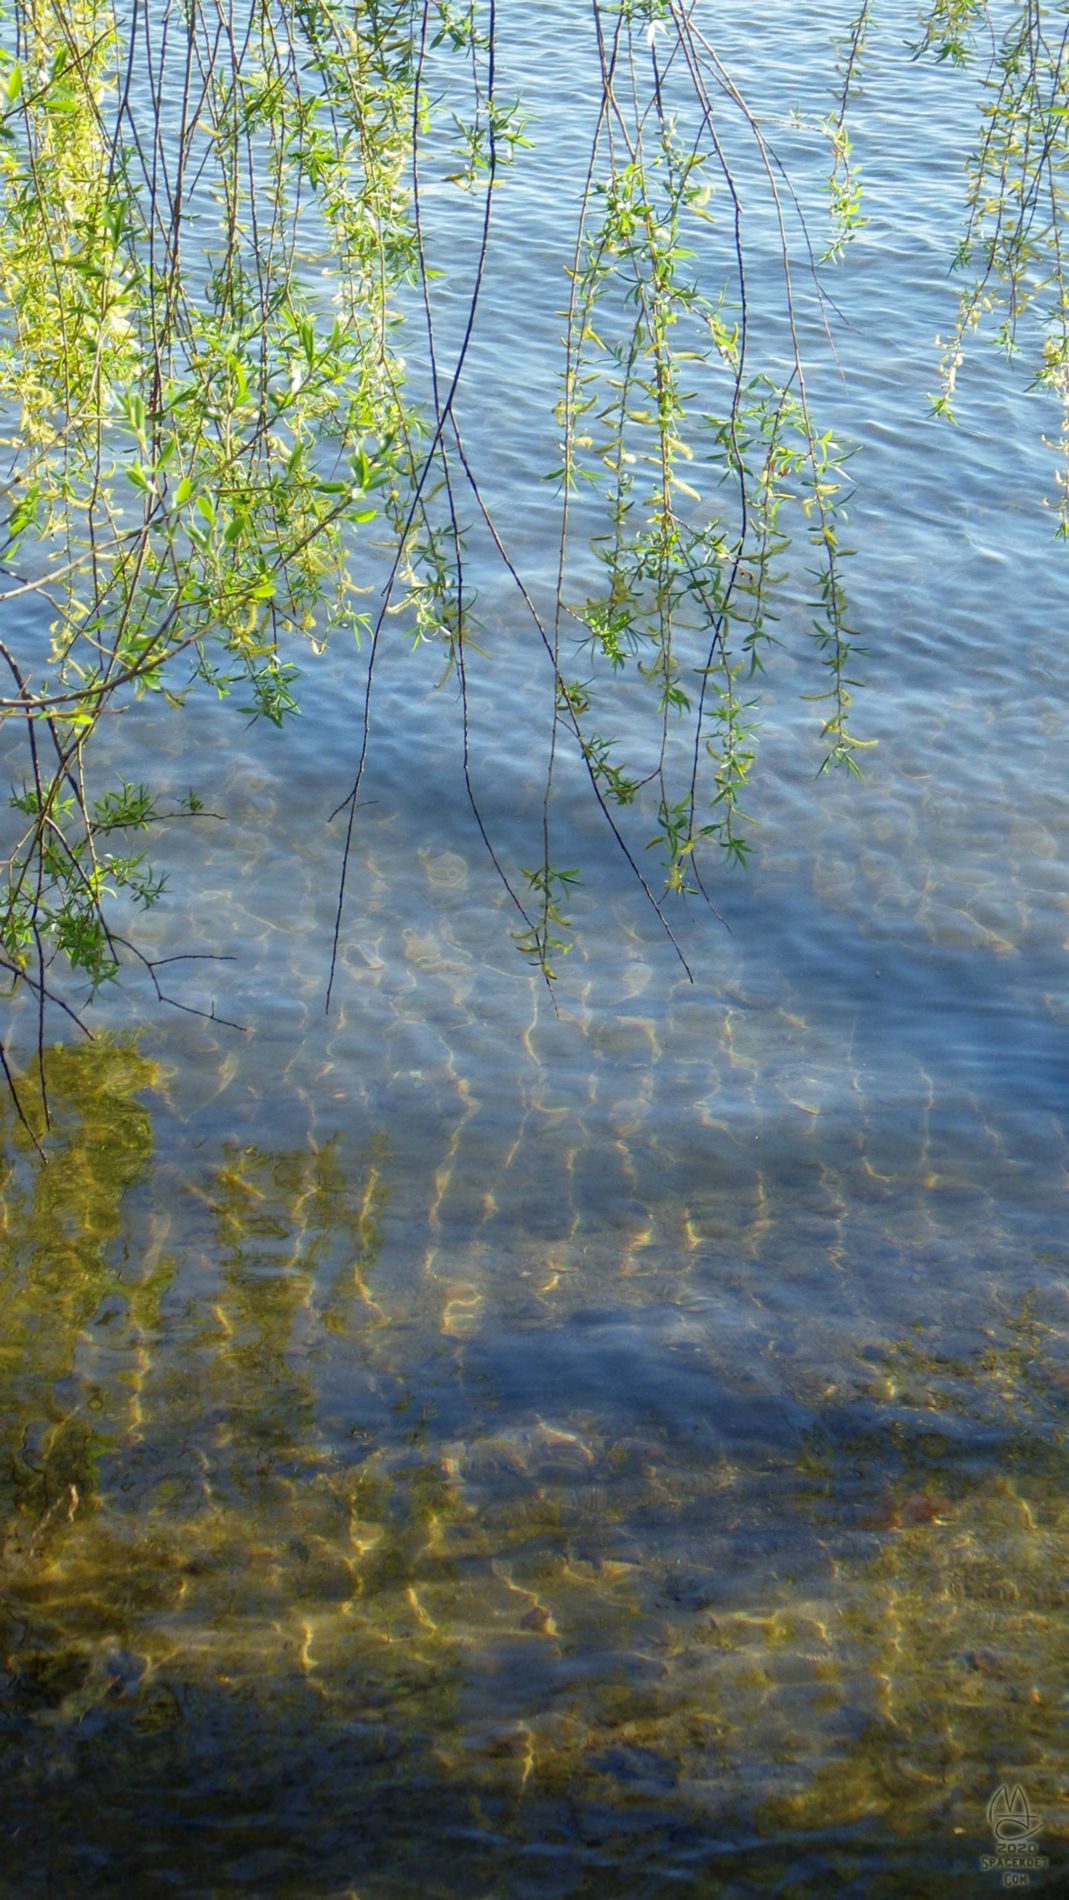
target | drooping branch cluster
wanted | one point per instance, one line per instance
(194, 436)
(215, 232)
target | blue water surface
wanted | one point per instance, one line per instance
(607, 1442)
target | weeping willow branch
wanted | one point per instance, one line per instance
(221, 233)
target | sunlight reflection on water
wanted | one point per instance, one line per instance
(614, 1445)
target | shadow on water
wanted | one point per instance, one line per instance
(310, 1592)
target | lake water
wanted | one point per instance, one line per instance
(458, 1446)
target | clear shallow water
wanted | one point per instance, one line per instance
(460, 1447)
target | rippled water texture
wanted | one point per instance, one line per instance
(460, 1448)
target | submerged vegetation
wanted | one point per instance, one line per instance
(297, 1560)
(232, 430)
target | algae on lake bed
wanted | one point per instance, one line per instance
(837, 1622)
